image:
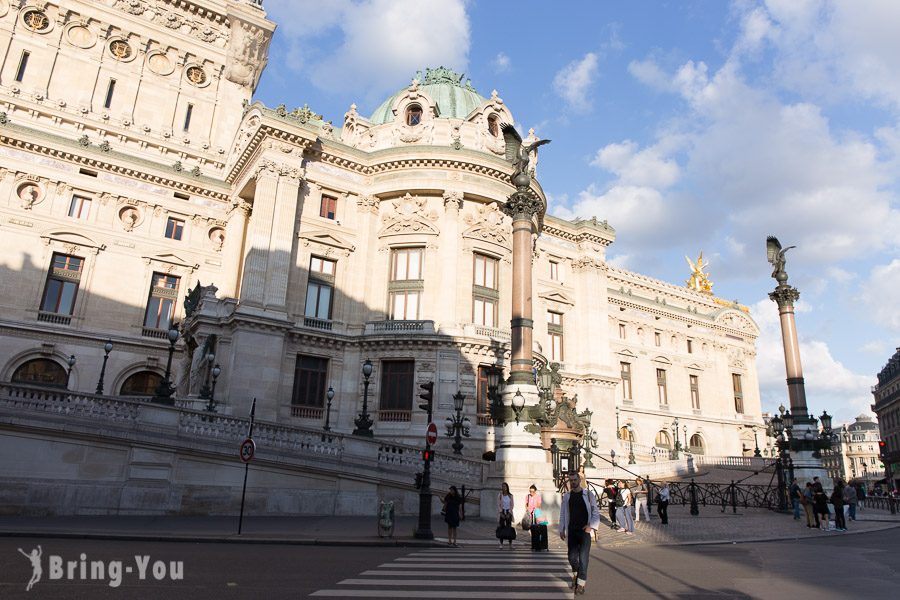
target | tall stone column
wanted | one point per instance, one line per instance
(522, 206)
(785, 296)
(235, 231)
(261, 222)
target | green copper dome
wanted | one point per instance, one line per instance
(455, 99)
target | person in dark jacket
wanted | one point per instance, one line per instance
(452, 503)
(820, 506)
(611, 491)
(837, 500)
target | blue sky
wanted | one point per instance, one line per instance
(689, 126)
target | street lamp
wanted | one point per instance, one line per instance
(518, 403)
(825, 419)
(458, 426)
(618, 433)
(756, 451)
(165, 389)
(211, 405)
(685, 438)
(590, 443)
(330, 395)
(630, 444)
(612, 456)
(71, 362)
(363, 421)
(107, 348)
(674, 428)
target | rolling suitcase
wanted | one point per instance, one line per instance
(539, 537)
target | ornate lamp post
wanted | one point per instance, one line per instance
(363, 421)
(518, 403)
(686, 446)
(211, 405)
(612, 457)
(107, 348)
(590, 443)
(630, 444)
(618, 433)
(458, 426)
(756, 451)
(165, 389)
(71, 362)
(330, 396)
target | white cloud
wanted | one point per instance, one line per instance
(876, 348)
(637, 212)
(882, 294)
(382, 42)
(501, 63)
(573, 82)
(829, 384)
(638, 167)
(650, 74)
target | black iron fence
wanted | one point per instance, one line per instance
(882, 503)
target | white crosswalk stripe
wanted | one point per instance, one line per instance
(476, 573)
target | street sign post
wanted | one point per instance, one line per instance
(431, 434)
(248, 450)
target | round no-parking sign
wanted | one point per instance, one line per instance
(248, 449)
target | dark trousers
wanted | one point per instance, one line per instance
(839, 522)
(579, 542)
(612, 512)
(663, 510)
(853, 511)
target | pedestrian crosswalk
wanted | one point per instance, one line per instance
(467, 573)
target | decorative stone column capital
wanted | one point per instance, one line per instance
(368, 204)
(784, 295)
(523, 205)
(452, 200)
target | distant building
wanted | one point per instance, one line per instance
(887, 410)
(855, 456)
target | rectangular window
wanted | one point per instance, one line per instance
(661, 386)
(485, 271)
(174, 228)
(657, 338)
(320, 289)
(626, 380)
(396, 399)
(80, 207)
(406, 287)
(23, 63)
(690, 346)
(555, 332)
(695, 392)
(406, 264)
(482, 401)
(554, 270)
(310, 374)
(484, 311)
(738, 393)
(188, 113)
(621, 331)
(405, 306)
(62, 284)
(328, 207)
(161, 303)
(484, 290)
(110, 90)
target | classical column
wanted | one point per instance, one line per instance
(785, 296)
(522, 206)
(447, 315)
(256, 257)
(235, 231)
(281, 241)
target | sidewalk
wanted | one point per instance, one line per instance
(710, 527)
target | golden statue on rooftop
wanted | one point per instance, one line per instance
(699, 281)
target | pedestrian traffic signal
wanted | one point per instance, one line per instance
(428, 396)
(428, 455)
(881, 447)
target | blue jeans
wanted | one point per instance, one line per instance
(853, 511)
(579, 542)
(796, 503)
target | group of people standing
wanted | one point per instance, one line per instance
(628, 502)
(814, 501)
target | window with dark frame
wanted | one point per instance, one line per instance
(690, 346)
(320, 288)
(110, 90)
(661, 387)
(695, 391)
(188, 113)
(625, 372)
(621, 331)
(738, 393)
(396, 394)
(328, 207)
(482, 401)
(413, 115)
(174, 228)
(310, 375)
(657, 338)
(63, 281)
(555, 332)
(554, 270)
(161, 301)
(23, 64)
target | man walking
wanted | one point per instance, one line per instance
(578, 518)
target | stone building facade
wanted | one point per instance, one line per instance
(134, 168)
(855, 456)
(887, 411)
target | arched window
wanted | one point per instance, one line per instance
(696, 444)
(663, 440)
(413, 115)
(626, 435)
(41, 371)
(494, 125)
(142, 383)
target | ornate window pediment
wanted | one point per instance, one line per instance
(171, 262)
(556, 296)
(625, 353)
(71, 240)
(409, 215)
(326, 238)
(662, 360)
(489, 224)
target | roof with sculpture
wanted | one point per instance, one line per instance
(451, 91)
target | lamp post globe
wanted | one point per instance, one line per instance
(363, 421)
(107, 348)
(71, 362)
(329, 395)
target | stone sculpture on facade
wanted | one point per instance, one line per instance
(699, 281)
(518, 154)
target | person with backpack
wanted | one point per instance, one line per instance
(623, 509)
(611, 493)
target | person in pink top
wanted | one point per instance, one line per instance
(532, 500)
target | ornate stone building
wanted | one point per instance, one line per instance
(134, 167)
(887, 411)
(855, 457)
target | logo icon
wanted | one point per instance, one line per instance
(35, 558)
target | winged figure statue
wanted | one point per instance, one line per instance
(699, 281)
(517, 153)
(775, 254)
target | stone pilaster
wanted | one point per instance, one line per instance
(256, 257)
(448, 313)
(282, 240)
(235, 231)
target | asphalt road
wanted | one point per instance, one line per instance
(864, 565)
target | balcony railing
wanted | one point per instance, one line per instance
(152, 332)
(493, 332)
(394, 416)
(400, 327)
(307, 412)
(314, 323)
(483, 419)
(55, 318)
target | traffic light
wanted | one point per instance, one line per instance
(428, 396)
(428, 455)
(881, 447)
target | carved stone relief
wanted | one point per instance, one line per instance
(410, 215)
(487, 223)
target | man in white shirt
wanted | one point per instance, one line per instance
(579, 516)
